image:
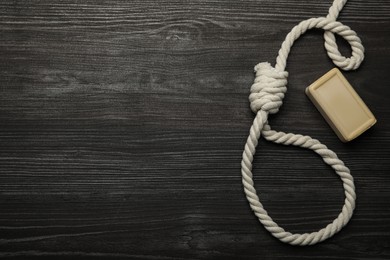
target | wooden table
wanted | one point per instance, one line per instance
(122, 125)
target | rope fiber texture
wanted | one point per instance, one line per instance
(266, 97)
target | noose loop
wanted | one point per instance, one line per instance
(266, 97)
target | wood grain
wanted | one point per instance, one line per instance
(122, 125)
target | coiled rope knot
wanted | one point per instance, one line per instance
(267, 91)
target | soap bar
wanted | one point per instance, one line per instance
(340, 105)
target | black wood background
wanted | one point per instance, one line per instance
(122, 125)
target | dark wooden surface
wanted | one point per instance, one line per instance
(122, 125)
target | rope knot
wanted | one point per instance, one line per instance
(267, 92)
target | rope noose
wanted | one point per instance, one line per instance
(266, 97)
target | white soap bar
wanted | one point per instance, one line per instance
(340, 105)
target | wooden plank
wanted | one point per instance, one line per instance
(122, 125)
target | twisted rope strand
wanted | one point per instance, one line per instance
(267, 93)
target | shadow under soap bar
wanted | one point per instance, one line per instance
(340, 105)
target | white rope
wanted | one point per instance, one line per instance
(266, 97)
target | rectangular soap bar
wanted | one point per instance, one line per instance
(340, 105)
